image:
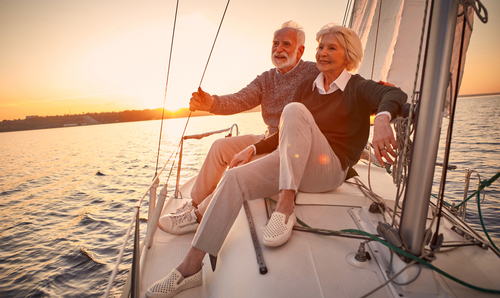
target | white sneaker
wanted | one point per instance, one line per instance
(277, 232)
(173, 283)
(179, 224)
(185, 207)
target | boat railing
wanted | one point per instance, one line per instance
(198, 137)
(154, 212)
(468, 174)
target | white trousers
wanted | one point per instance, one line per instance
(303, 161)
(218, 159)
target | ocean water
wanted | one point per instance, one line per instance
(67, 195)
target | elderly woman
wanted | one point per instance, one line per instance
(322, 133)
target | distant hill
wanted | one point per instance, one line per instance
(43, 122)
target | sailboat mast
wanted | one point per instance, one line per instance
(435, 81)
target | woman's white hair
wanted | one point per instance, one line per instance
(301, 35)
(349, 40)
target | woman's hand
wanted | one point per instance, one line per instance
(242, 157)
(383, 140)
(200, 101)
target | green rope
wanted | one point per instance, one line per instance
(482, 223)
(446, 203)
(423, 262)
(404, 253)
(482, 185)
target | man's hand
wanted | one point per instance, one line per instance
(242, 157)
(383, 140)
(200, 101)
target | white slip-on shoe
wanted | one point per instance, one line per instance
(173, 283)
(277, 232)
(179, 224)
(185, 207)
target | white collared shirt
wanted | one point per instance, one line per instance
(339, 83)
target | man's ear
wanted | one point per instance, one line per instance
(300, 52)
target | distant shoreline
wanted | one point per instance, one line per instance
(479, 95)
(47, 122)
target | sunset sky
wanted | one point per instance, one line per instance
(70, 57)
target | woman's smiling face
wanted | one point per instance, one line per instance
(330, 56)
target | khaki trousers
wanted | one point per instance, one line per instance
(218, 159)
(303, 161)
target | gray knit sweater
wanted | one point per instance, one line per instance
(271, 89)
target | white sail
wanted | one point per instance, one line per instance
(392, 34)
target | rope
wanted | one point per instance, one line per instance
(406, 254)
(453, 103)
(400, 171)
(161, 129)
(483, 184)
(166, 86)
(421, 261)
(477, 8)
(394, 277)
(206, 66)
(220, 25)
(376, 39)
(415, 259)
(168, 73)
(482, 223)
(404, 129)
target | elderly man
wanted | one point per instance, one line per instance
(272, 90)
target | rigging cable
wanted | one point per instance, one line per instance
(465, 7)
(394, 277)
(161, 127)
(166, 87)
(376, 39)
(218, 30)
(400, 177)
(453, 103)
(347, 8)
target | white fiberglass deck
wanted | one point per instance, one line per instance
(311, 265)
(307, 266)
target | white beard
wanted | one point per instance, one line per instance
(288, 63)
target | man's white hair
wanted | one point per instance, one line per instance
(301, 35)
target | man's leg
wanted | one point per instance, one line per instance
(202, 207)
(257, 179)
(218, 158)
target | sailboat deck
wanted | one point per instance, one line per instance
(301, 268)
(307, 265)
(312, 265)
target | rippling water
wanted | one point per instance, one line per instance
(67, 195)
